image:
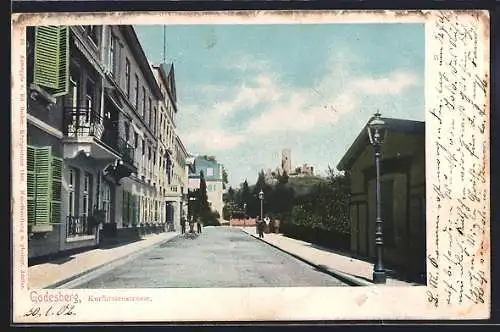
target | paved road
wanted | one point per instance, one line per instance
(219, 257)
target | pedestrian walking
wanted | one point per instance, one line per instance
(191, 225)
(183, 225)
(198, 225)
(267, 225)
(261, 224)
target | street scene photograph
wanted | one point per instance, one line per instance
(230, 155)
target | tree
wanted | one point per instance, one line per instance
(245, 195)
(231, 195)
(203, 207)
(326, 206)
(224, 178)
(261, 184)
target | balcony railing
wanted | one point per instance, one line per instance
(78, 226)
(125, 150)
(83, 122)
(80, 122)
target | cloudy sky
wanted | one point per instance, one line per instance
(247, 91)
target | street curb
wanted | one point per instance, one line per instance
(345, 277)
(93, 269)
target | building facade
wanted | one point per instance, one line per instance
(167, 104)
(97, 166)
(402, 196)
(181, 174)
(212, 172)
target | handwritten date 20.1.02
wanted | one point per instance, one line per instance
(63, 310)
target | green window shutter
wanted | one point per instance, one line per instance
(31, 165)
(51, 59)
(55, 204)
(43, 184)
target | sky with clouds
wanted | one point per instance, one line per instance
(245, 92)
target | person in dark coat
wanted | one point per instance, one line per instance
(183, 225)
(261, 224)
(198, 224)
(191, 225)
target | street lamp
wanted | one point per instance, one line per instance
(261, 197)
(245, 215)
(376, 133)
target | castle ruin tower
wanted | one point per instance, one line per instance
(286, 162)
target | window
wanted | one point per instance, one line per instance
(44, 188)
(106, 201)
(125, 208)
(150, 114)
(90, 97)
(210, 171)
(127, 76)
(112, 52)
(74, 91)
(87, 196)
(72, 101)
(136, 139)
(143, 102)
(127, 132)
(143, 147)
(72, 180)
(149, 153)
(154, 121)
(161, 124)
(92, 32)
(132, 207)
(136, 92)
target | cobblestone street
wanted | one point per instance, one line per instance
(219, 257)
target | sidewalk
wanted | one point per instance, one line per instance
(354, 271)
(50, 273)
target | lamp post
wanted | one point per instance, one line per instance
(245, 215)
(376, 131)
(191, 224)
(261, 197)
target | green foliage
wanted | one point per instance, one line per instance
(209, 158)
(211, 219)
(314, 202)
(304, 185)
(203, 209)
(224, 178)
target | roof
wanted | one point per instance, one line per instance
(201, 164)
(362, 140)
(181, 145)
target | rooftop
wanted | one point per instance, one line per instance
(362, 140)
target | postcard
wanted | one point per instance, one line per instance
(250, 166)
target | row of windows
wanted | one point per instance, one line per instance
(211, 187)
(144, 103)
(141, 209)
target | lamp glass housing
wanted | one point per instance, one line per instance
(376, 130)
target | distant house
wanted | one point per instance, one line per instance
(212, 172)
(402, 192)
